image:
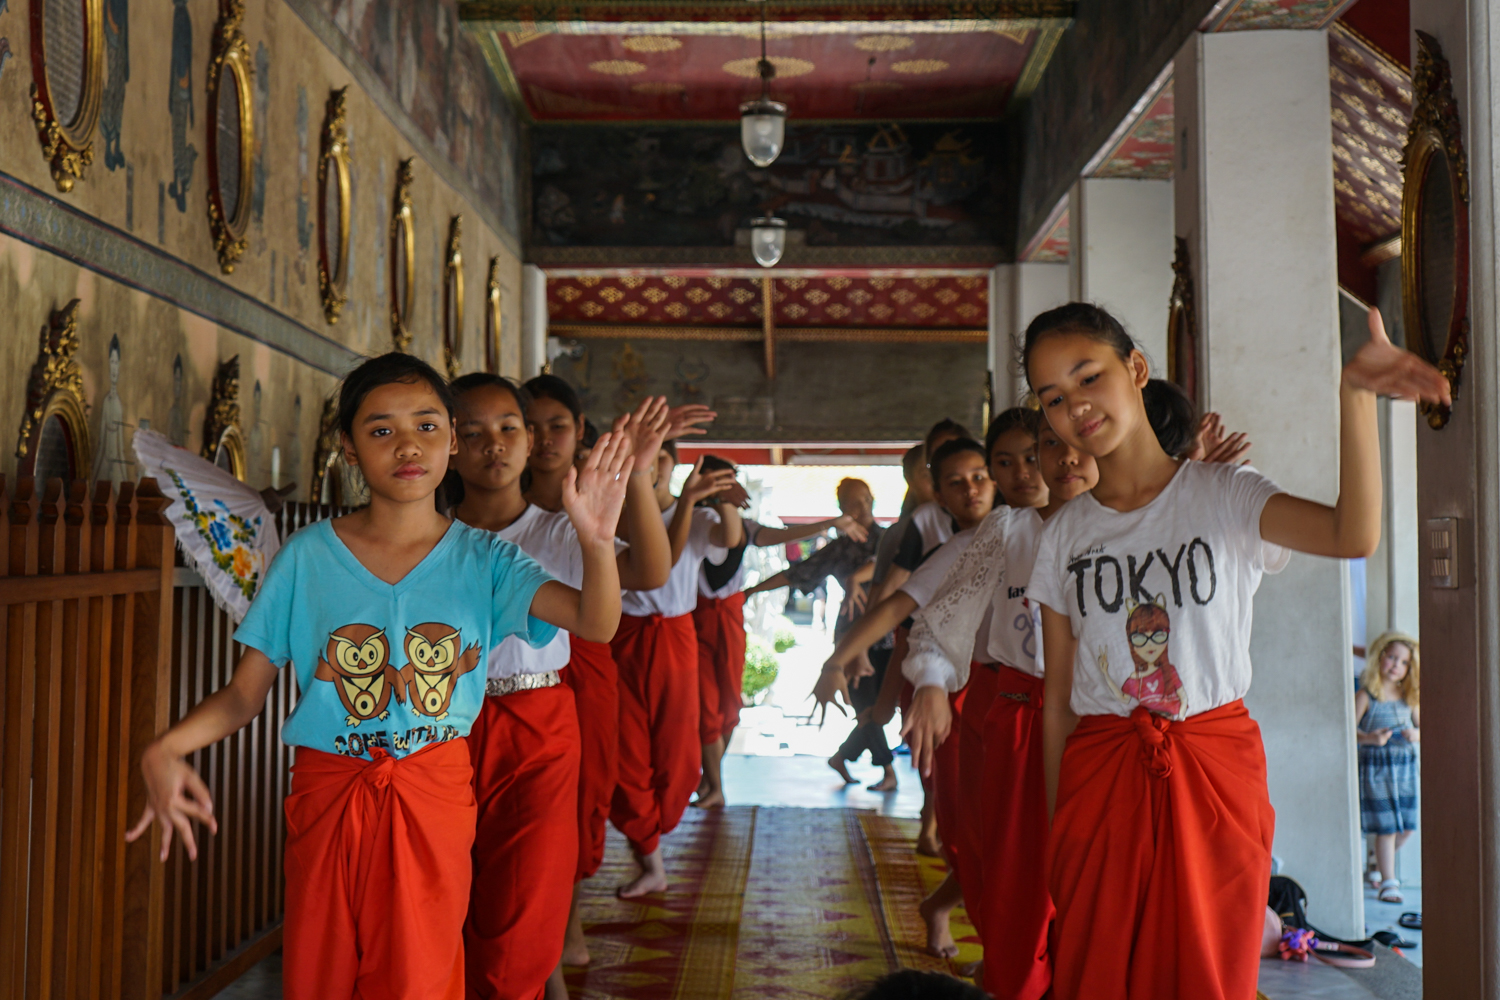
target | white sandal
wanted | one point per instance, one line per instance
(1390, 891)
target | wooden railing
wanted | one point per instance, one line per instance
(105, 643)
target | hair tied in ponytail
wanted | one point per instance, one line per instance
(1173, 416)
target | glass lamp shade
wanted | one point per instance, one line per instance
(762, 130)
(767, 240)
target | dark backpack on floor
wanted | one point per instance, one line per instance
(1289, 900)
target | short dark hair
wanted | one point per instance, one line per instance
(552, 387)
(945, 426)
(909, 984)
(387, 369)
(1015, 418)
(590, 434)
(911, 461)
(482, 380)
(670, 447)
(948, 449)
(713, 463)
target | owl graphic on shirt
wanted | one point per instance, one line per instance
(435, 660)
(358, 664)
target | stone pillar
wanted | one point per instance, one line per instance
(1253, 139)
(533, 320)
(1017, 293)
(1122, 246)
(1458, 475)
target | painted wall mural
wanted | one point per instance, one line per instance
(841, 185)
(117, 56)
(180, 95)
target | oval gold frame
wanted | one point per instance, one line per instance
(56, 390)
(233, 442)
(221, 423)
(403, 236)
(1435, 128)
(334, 155)
(492, 318)
(453, 298)
(68, 147)
(231, 54)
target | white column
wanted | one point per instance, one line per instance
(1254, 202)
(1122, 248)
(1017, 293)
(533, 320)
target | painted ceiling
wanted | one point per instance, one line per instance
(835, 301)
(1256, 15)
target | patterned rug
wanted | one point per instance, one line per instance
(793, 904)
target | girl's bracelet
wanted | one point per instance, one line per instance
(831, 668)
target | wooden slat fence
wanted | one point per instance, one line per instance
(105, 643)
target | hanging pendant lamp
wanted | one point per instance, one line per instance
(763, 121)
(767, 240)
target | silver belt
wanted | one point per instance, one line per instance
(499, 687)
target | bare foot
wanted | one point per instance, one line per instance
(928, 845)
(557, 989)
(653, 877)
(837, 763)
(575, 945)
(711, 800)
(886, 784)
(939, 936)
(972, 970)
(702, 788)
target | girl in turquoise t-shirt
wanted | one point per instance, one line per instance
(386, 614)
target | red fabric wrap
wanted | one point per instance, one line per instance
(595, 682)
(377, 875)
(1159, 858)
(720, 623)
(968, 732)
(947, 785)
(525, 753)
(1017, 909)
(660, 756)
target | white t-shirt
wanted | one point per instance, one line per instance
(1160, 598)
(933, 523)
(928, 577)
(737, 581)
(981, 610)
(679, 595)
(550, 538)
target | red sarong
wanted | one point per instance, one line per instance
(947, 786)
(720, 623)
(660, 756)
(968, 733)
(595, 682)
(1160, 856)
(377, 875)
(525, 752)
(1017, 909)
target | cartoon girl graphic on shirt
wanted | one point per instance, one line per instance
(1153, 683)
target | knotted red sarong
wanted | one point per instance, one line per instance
(525, 752)
(660, 756)
(1016, 914)
(947, 786)
(595, 681)
(968, 733)
(377, 875)
(720, 623)
(1160, 856)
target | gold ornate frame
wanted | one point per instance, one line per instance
(403, 236)
(56, 390)
(68, 147)
(492, 318)
(453, 298)
(333, 155)
(1435, 128)
(221, 425)
(1182, 323)
(231, 54)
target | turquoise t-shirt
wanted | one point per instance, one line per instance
(393, 667)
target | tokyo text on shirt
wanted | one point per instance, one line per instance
(981, 612)
(383, 666)
(679, 595)
(1160, 598)
(550, 538)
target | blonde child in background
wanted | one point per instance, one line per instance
(1387, 706)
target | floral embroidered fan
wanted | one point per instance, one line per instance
(225, 531)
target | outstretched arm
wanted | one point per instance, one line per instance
(175, 795)
(775, 582)
(866, 632)
(844, 525)
(1350, 529)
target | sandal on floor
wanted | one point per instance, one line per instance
(1393, 940)
(1390, 891)
(1411, 921)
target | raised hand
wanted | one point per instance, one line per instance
(736, 495)
(1213, 444)
(1386, 370)
(702, 484)
(647, 428)
(594, 493)
(847, 525)
(681, 420)
(831, 685)
(175, 796)
(927, 724)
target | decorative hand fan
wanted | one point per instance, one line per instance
(225, 531)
